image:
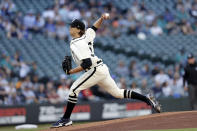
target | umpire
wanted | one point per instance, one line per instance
(190, 76)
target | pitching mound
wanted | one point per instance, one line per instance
(170, 120)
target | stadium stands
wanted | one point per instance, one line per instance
(174, 33)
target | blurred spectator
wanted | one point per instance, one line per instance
(194, 26)
(50, 28)
(161, 77)
(29, 95)
(41, 94)
(13, 99)
(133, 71)
(39, 24)
(122, 83)
(132, 30)
(74, 14)
(10, 89)
(13, 32)
(57, 16)
(177, 69)
(149, 17)
(61, 30)
(157, 90)
(161, 22)
(121, 70)
(181, 57)
(187, 4)
(144, 87)
(177, 86)
(193, 11)
(155, 70)
(18, 19)
(63, 12)
(116, 29)
(156, 30)
(166, 89)
(179, 4)
(7, 25)
(24, 32)
(2, 93)
(88, 95)
(186, 27)
(29, 20)
(135, 88)
(134, 7)
(53, 97)
(168, 16)
(63, 92)
(26, 83)
(145, 72)
(33, 69)
(49, 87)
(6, 63)
(182, 14)
(24, 70)
(48, 13)
(142, 6)
(170, 73)
(172, 28)
(16, 61)
(8, 6)
(35, 83)
(63, 89)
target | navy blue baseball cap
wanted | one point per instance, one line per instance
(77, 24)
(190, 56)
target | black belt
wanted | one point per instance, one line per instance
(98, 62)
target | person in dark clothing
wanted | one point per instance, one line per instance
(190, 76)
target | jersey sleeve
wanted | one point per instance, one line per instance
(90, 35)
(81, 51)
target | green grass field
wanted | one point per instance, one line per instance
(12, 128)
(40, 127)
(46, 126)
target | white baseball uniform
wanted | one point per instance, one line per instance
(98, 73)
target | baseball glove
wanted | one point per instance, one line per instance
(67, 64)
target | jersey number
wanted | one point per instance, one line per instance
(92, 53)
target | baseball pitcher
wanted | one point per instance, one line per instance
(96, 72)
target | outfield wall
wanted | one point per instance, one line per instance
(84, 111)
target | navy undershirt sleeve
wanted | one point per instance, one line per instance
(94, 28)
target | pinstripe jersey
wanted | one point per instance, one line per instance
(82, 48)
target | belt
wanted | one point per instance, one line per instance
(100, 62)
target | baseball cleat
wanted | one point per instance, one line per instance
(154, 104)
(62, 122)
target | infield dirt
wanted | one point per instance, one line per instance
(169, 120)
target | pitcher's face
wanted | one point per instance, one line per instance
(74, 32)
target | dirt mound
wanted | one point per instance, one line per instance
(169, 120)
